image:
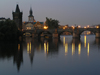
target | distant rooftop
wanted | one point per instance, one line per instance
(2, 18)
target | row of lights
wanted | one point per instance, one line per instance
(80, 27)
(46, 27)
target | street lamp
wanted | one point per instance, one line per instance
(88, 26)
(45, 27)
(84, 27)
(97, 26)
(79, 26)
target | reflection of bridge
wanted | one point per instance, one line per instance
(55, 33)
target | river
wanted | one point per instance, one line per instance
(64, 56)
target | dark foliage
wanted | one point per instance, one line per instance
(8, 30)
(52, 23)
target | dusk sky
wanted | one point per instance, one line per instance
(79, 12)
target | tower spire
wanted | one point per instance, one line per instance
(31, 12)
(17, 8)
(31, 17)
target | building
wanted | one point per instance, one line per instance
(2, 19)
(28, 25)
(32, 24)
(38, 25)
(31, 17)
(17, 17)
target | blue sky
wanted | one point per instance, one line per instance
(79, 12)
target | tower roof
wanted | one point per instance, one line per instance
(31, 12)
(17, 8)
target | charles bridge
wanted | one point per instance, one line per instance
(55, 33)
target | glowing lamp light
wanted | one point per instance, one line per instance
(63, 27)
(45, 27)
(88, 26)
(97, 26)
(73, 27)
(84, 27)
(79, 26)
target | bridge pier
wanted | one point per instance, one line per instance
(34, 35)
(75, 35)
(97, 35)
(55, 35)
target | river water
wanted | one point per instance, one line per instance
(66, 56)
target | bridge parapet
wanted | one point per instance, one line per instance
(76, 32)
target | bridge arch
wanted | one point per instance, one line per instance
(45, 33)
(63, 32)
(27, 34)
(89, 32)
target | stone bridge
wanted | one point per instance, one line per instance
(55, 33)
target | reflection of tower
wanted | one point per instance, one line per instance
(17, 17)
(18, 57)
(31, 17)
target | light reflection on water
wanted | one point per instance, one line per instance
(79, 48)
(63, 56)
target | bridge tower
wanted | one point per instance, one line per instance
(17, 17)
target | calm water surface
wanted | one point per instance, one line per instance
(66, 56)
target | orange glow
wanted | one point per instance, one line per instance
(73, 27)
(79, 48)
(64, 41)
(97, 26)
(46, 47)
(45, 27)
(79, 26)
(84, 27)
(28, 27)
(18, 47)
(63, 27)
(85, 41)
(66, 49)
(88, 49)
(88, 26)
(29, 47)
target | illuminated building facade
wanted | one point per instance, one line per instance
(32, 24)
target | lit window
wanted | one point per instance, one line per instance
(28, 27)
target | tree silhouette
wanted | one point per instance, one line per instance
(8, 30)
(52, 23)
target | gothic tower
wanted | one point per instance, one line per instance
(30, 17)
(17, 17)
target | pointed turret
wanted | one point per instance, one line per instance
(31, 17)
(17, 9)
(31, 12)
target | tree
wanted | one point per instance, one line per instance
(52, 23)
(8, 30)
